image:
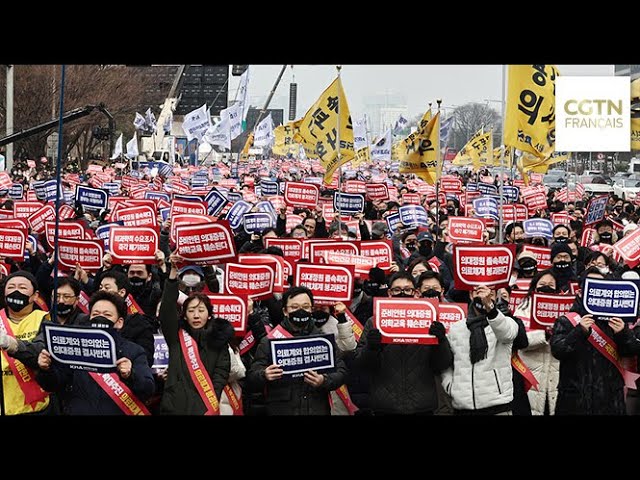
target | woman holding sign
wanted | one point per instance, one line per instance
(199, 361)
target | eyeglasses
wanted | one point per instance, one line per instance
(406, 290)
(65, 296)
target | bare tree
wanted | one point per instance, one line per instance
(471, 117)
(36, 94)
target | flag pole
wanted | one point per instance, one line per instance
(54, 309)
(338, 68)
(438, 170)
(501, 192)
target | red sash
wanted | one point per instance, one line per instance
(529, 378)
(343, 394)
(355, 324)
(199, 376)
(607, 347)
(83, 302)
(41, 303)
(234, 401)
(247, 342)
(23, 374)
(122, 395)
(132, 306)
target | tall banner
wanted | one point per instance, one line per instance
(196, 123)
(319, 129)
(421, 150)
(530, 114)
(381, 150)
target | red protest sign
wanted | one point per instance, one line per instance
(411, 199)
(205, 244)
(516, 298)
(179, 188)
(139, 202)
(465, 230)
(451, 184)
(66, 212)
(377, 191)
(545, 309)
(542, 254)
(12, 243)
(179, 207)
(291, 247)
(139, 216)
(232, 308)
(293, 221)
(329, 283)
(303, 194)
(254, 281)
(274, 261)
(88, 253)
(25, 209)
(317, 250)
(70, 230)
(535, 201)
(522, 213)
(133, 245)
(523, 284)
(450, 313)
(361, 264)
(5, 181)
(380, 250)
(508, 214)
(180, 220)
(629, 248)
(405, 321)
(482, 265)
(37, 219)
(355, 186)
(561, 218)
(15, 223)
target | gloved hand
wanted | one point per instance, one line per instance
(437, 330)
(341, 317)
(256, 326)
(374, 339)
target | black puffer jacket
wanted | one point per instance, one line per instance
(292, 396)
(403, 376)
(180, 396)
(139, 329)
(589, 383)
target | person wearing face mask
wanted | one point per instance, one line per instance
(453, 206)
(590, 384)
(514, 233)
(19, 319)
(527, 266)
(434, 253)
(195, 333)
(605, 233)
(402, 376)
(601, 262)
(305, 395)
(537, 356)
(561, 233)
(561, 258)
(480, 381)
(143, 289)
(191, 279)
(86, 393)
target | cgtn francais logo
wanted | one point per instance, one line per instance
(593, 114)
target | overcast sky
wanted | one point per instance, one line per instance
(420, 84)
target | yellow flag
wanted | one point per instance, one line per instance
(557, 157)
(362, 156)
(420, 152)
(635, 89)
(284, 144)
(396, 150)
(635, 131)
(481, 150)
(507, 156)
(530, 120)
(531, 163)
(319, 129)
(425, 119)
(245, 150)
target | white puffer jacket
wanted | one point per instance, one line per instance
(544, 366)
(236, 372)
(489, 382)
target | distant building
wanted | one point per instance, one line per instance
(383, 110)
(277, 115)
(632, 71)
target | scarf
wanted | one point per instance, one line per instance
(478, 339)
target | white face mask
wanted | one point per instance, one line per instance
(603, 270)
(191, 279)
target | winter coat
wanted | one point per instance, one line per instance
(181, 396)
(489, 382)
(139, 329)
(292, 396)
(402, 376)
(86, 397)
(237, 372)
(589, 383)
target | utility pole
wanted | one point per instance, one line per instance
(9, 159)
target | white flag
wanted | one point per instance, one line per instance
(381, 150)
(401, 123)
(303, 154)
(168, 124)
(445, 130)
(132, 147)
(150, 121)
(234, 114)
(243, 94)
(139, 122)
(264, 133)
(360, 134)
(220, 134)
(196, 123)
(117, 151)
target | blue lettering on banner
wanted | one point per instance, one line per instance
(82, 348)
(164, 213)
(486, 188)
(472, 187)
(235, 215)
(257, 222)
(393, 222)
(234, 197)
(160, 353)
(348, 203)
(216, 201)
(51, 189)
(413, 215)
(486, 207)
(40, 190)
(538, 227)
(187, 198)
(102, 232)
(269, 188)
(112, 187)
(91, 198)
(596, 210)
(301, 354)
(68, 197)
(511, 193)
(16, 191)
(198, 181)
(611, 298)
(157, 196)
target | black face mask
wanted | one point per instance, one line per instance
(451, 210)
(519, 240)
(562, 267)
(64, 309)
(605, 237)
(478, 305)
(101, 322)
(425, 249)
(300, 317)
(320, 317)
(561, 239)
(357, 291)
(545, 289)
(411, 247)
(137, 284)
(538, 241)
(618, 209)
(431, 293)
(16, 300)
